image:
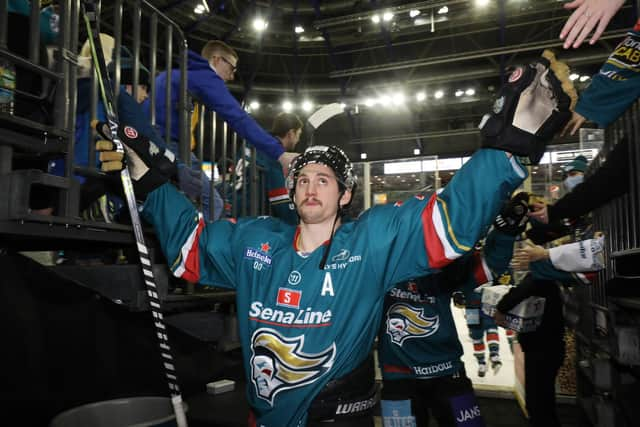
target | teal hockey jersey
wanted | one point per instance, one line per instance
(617, 84)
(418, 337)
(300, 326)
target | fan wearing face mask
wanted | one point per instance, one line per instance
(584, 194)
(573, 173)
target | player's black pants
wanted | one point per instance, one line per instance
(450, 400)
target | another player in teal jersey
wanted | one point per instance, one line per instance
(310, 297)
(286, 129)
(418, 346)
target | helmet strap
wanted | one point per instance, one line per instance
(325, 255)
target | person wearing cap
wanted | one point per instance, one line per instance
(609, 181)
(310, 297)
(573, 173)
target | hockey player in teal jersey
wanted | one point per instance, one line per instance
(309, 298)
(418, 346)
(286, 128)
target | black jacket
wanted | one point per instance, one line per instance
(609, 181)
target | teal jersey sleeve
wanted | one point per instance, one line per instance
(488, 264)
(277, 191)
(617, 84)
(498, 251)
(189, 244)
(445, 229)
(544, 270)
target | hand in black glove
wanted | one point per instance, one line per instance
(513, 218)
(149, 165)
(532, 107)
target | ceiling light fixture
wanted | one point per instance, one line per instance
(363, 156)
(260, 24)
(307, 105)
(443, 10)
(416, 151)
(414, 12)
(375, 18)
(584, 78)
(398, 98)
(421, 96)
(299, 29)
(199, 9)
(287, 106)
(420, 21)
(439, 94)
(459, 92)
(573, 76)
(254, 105)
(470, 92)
(387, 16)
(384, 100)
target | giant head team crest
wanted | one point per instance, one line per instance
(278, 363)
(406, 322)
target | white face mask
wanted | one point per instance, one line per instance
(570, 182)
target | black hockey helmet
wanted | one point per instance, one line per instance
(330, 156)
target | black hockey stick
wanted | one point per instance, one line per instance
(90, 14)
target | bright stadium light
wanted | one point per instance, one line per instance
(287, 106)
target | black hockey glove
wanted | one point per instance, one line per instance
(513, 218)
(533, 106)
(149, 165)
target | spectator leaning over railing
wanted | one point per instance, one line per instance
(206, 77)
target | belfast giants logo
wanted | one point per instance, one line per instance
(405, 322)
(278, 363)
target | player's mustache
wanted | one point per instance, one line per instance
(311, 199)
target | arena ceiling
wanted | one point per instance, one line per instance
(380, 69)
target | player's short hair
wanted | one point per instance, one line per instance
(284, 122)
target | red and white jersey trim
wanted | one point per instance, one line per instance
(189, 266)
(278, 194)
(439, 251)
